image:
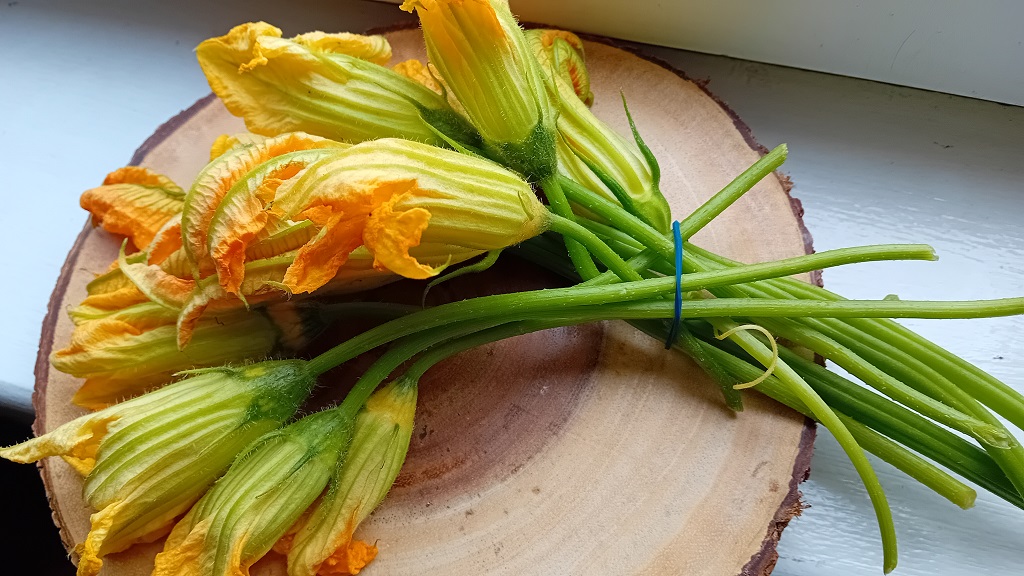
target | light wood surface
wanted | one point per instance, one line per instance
(576, 451)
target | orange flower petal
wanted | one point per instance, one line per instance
(341, 217)
(389, 235)
(318, 260)
(243, 213)
(134, 202)
(217, 178)
(348, 559)
(166, 241)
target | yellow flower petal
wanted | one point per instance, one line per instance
(159, 286)
(370, 48)
(480, 51)
(182, 551)
(563, 51)
(98, 541)
(326, 84)
(134, 202)
(77, 442)
(228, 142)
(418, 72)
(109, 301)
(389, 234)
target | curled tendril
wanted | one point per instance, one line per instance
(775, 353)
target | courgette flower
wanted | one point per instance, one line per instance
(322, 541)
(147, 460)
(135, 349)
(404, 203)
(332, 85)
(480, 51)
(263, 493)
(590, 151)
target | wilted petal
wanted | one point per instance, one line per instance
(327, 84)
(243, 212)
(390, 234)
(217, 178)
(134, 202)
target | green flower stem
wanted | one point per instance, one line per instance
(457, 345)
(768, 308)
(638, 263)
(980, 385)
(788, 266)
(889, 451)
(902, 425)
(908, 428)
(977, 383)
(886, 384)
(1010, 458)
(574, 232)
(952, 452)
(694, 348)
(911, 464)
(707, 212)
(824, 414)
(579, 255)
(629, 225)
(513, 306)
(406, 348)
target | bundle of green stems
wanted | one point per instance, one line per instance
(927, 404)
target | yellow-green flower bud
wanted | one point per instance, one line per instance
(135, 349)
(331, 85)
(481, 53)
(589, 151)
(266, 490)
(147, 460)
(561, 54)
(323, 543)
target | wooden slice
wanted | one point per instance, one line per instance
(587, 450)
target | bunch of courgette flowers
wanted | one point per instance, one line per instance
(355, 174)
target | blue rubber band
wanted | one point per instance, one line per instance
(673, 331)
